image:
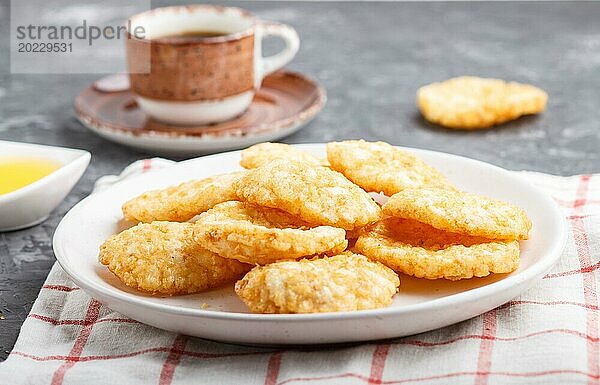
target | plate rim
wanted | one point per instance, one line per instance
(478, 294)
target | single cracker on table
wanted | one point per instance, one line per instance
(381, 167)
(417, 249)
(183, 202)
(344, 282)
(460, 212)
(316, 195)
(161, 258)
(262, 153)
(471, 103)
(262, 235)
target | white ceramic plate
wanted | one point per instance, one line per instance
(420, 305)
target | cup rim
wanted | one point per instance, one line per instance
(191, 41)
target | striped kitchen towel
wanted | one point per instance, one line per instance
(548, 335)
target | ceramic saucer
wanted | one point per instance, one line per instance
(286, 102)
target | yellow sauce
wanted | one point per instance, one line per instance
(17, 172)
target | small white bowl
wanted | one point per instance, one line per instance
(32, 204)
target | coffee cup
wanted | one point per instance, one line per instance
(201, 64)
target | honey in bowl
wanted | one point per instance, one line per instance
(18, 172)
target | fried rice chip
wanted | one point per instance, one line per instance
(471, 103)
(417, 249)
(259, 154)
(381, 167)
(316, 195)
(262, 235)
(161, 258)
(460, 212)
(343, 282)
(183, 202)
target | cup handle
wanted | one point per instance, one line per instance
(267, 65)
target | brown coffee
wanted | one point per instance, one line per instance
(194, 35)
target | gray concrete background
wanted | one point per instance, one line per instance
(371, 58)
